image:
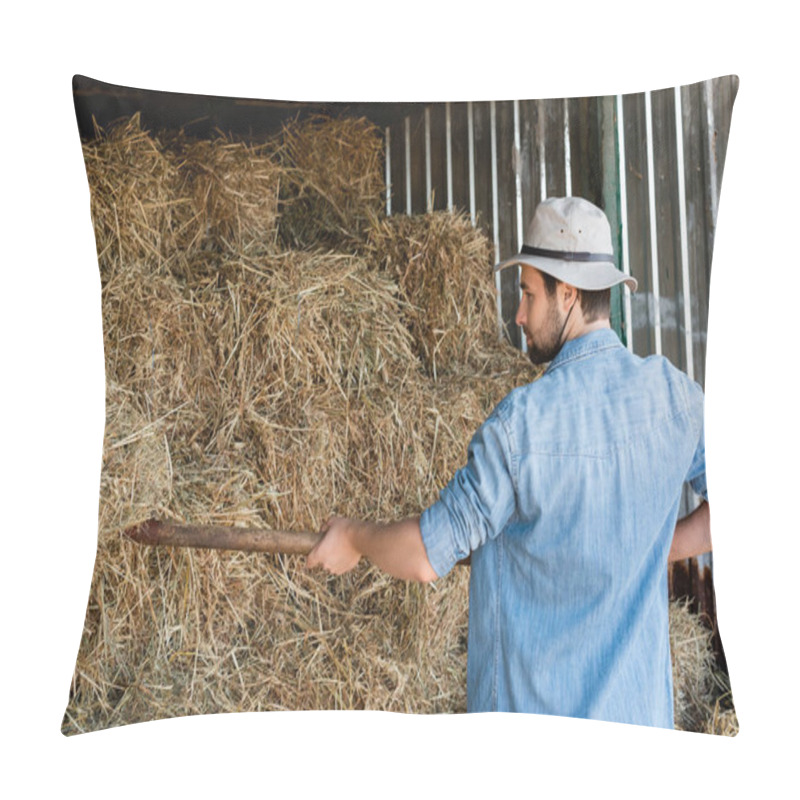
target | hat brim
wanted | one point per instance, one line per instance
(590, 276)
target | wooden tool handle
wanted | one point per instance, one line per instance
(214, 537)
(252, 540)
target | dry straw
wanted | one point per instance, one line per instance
(443, 266)
(159, 202)
(137, 215)
(701, 692)
(333, 186)
(233, 188)
(247, 385)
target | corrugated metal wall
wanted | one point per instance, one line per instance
(652, 160)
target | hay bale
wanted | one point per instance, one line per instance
(150, 337)
(265, 426)
(135, 210)
(443, 266)
(233, 188)
(333, 188)
(161, 202)
(161, 625)
(270, 358)
(191, 632)
(284, 377)
(326, 319)
(293, 391)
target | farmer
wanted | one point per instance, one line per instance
(568, 502)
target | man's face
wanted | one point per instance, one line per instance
(539, 316)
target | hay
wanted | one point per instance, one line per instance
(182, 632)
(234, 189)
(189, 632)
(246, 386)
(136, 478)
(163, 202)
(722, 721)
(134, 207)
(701, 693)
(443, 266)
(333, 188)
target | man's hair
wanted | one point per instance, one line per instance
(595, 305)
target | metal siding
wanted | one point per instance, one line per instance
(724, 94)
(529, 159)
(608, 165)
(686, 290)
(482, 166)
(506, 205)
(593, 164)
(586, 163)
(438, 156)
(667, 226)
(638, 228)
(398, 166)
(387, 164)
(460, 155)
(624, 255)
(419, 204)
(698, 219)
(553, 123)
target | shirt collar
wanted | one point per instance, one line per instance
(585, 346)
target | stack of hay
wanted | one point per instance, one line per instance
(276, 350)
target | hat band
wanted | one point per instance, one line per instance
(564, 255)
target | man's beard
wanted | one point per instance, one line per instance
(546, 348)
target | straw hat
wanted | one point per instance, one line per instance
(570, 239)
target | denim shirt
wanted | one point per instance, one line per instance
(568, 503)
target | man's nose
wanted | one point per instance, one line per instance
(520, 319)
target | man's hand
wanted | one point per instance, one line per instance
(396, 548)
(336, 552)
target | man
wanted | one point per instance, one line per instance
(568, 502)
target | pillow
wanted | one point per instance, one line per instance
(300, 318)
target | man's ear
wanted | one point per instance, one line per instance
(569, 296)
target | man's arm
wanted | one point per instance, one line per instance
(396, 548)
(692, 535)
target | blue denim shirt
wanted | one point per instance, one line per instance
(568, 503)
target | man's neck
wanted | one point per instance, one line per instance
(581, 328)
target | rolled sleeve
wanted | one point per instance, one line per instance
(478, 501)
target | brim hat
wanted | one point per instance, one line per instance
(570, 239)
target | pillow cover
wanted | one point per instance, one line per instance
(299, 317)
